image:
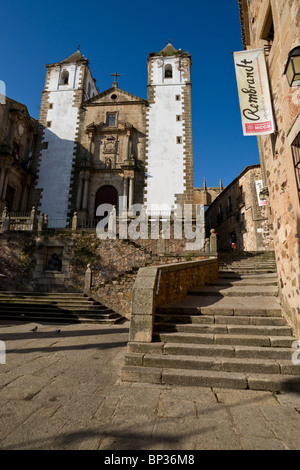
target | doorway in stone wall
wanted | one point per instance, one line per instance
(106, 195)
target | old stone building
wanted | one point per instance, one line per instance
(17, 138)
(239, 210)
(206, 195)
(274, 25)
(105, 147)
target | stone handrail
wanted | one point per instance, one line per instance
(159, 285)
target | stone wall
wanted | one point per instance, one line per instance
(160, 285)
(257, 17)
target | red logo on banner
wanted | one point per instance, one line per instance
(259, 127)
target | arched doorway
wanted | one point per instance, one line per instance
(106, 195)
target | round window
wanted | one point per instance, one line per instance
(114, 97)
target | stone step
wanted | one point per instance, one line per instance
(212, 363)
(214, 350)
(229, 339)
(227, 306)
(232, 282)
(62, 319)
(220, 379)
(219, 319)
(255, 275)
(235, 291)
(53, 307)
(53, 301)
(265, 330)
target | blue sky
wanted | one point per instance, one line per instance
(117, 36)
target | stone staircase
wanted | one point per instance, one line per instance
(54, 307)
(230, 334)
(243, 262)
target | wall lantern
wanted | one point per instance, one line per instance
(292, 68)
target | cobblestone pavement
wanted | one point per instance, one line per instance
(62, 390)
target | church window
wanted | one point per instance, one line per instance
(111, 119)
(89, 90)
(168, 71)
(64, 79)
(114, 97)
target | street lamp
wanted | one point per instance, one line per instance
(292, 68)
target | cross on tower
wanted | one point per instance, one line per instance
(115, 83)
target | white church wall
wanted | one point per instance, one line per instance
(57, 160)
(165, 152)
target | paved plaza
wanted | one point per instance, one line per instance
(62, 390)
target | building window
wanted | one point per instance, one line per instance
(44, 145)
(179, 140)
(296, 160)
(51, 106)
(177, 98)
(64, 79)
(168, 71)
(49, 123)
(178, 118)
(111, 119)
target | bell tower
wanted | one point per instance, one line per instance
(169, 155)
(67, 85)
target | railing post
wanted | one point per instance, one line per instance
(207, 245)
(40, 224)
(6, 224)
(33, 218)
(213, 241)
(4, 214)
(161, 244)
(88, 278)
(74, 222)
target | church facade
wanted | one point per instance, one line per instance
(112, 147)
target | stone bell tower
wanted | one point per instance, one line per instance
(68, 84)
(169, 156)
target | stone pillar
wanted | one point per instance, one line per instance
(74, 222)
(4, 214)
(88, 278)
(85, 191)
(131, 191)
(6, 224)
(80, 191)
(40, 225)
(125, 194)
(128, 146)
(213, 241)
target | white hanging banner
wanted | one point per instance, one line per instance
(259, 187)
(254, 92)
